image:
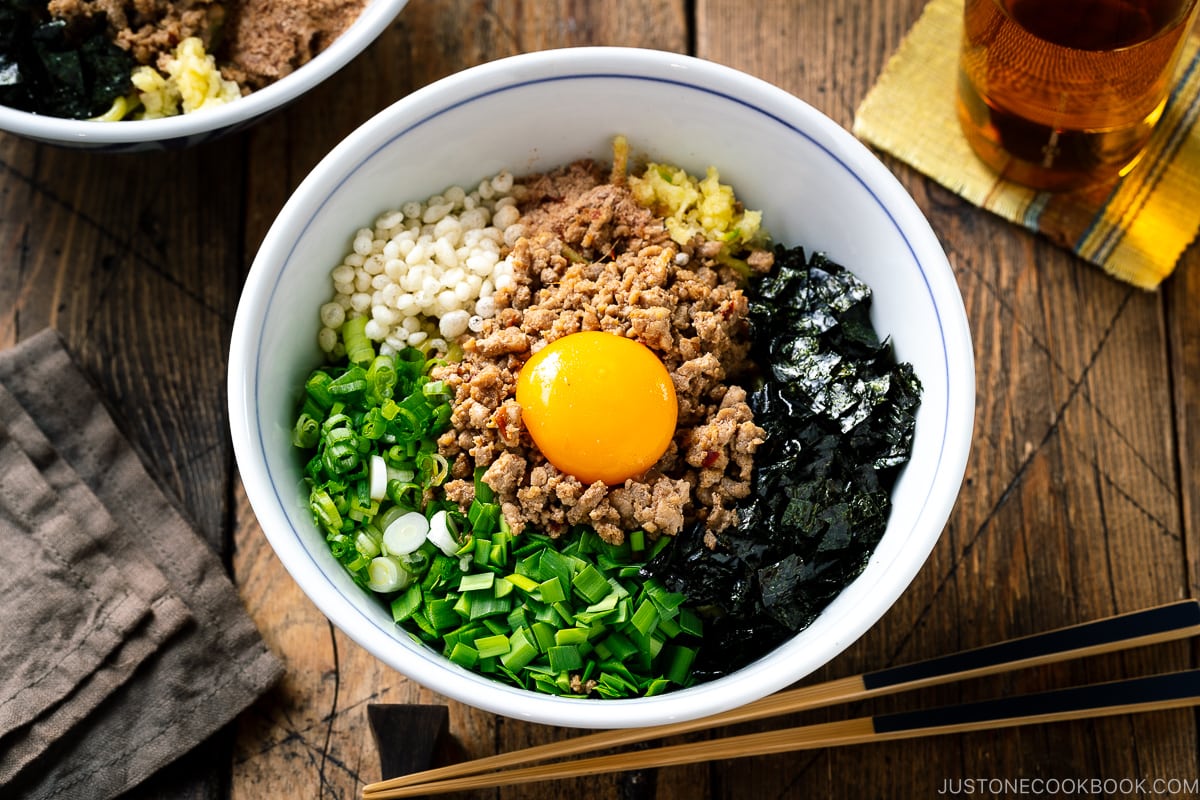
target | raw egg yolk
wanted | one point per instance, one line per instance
(599, 406)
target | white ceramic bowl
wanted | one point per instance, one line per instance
(186, 130)
(817, 186)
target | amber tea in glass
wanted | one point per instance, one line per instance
(1059, 94)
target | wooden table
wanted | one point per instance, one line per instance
(1079, 500)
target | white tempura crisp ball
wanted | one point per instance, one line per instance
(424, 267)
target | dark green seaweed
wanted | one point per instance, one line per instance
(839, 414)
(48, 67)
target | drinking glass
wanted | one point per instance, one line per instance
(1062, 94)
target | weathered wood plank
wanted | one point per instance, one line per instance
(146, 308)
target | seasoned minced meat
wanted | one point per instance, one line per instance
(256, 42)
(592, 259)
(148, 28)
(268, 39)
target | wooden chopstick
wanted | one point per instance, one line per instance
(1136, 695)
(1135, 629)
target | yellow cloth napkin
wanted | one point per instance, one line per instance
(1136, 229)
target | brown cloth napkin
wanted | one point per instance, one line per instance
(66, 605)
(192, 660)
(167, 612)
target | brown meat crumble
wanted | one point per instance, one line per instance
(148, 28)
(592, 259)
(256, 42)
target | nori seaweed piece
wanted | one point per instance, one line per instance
(48, 67)
(839, 414)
